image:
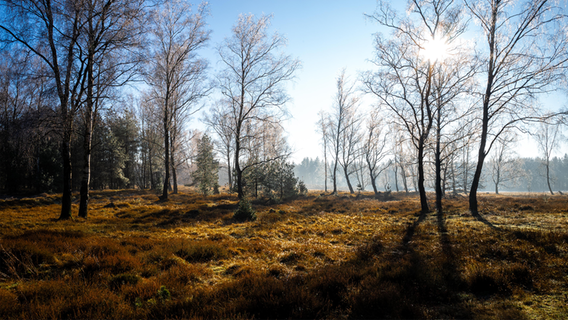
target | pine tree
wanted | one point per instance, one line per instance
(207, 174)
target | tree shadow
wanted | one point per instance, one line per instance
(482, 219)
(412, 228)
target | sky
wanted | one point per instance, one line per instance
(327, 36)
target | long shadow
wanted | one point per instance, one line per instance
(412, 228)
(449, 266)
(480, 218)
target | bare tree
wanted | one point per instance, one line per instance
(110, 31)
(177, 74)
(375, 148)
(252, 82)
(343, 132)
(504, 164)
(323, 128)
(547, 138)
(403, 82)
(220, 121)
(526, 52)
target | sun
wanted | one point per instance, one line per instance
(435, 49)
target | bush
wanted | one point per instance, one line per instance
(302, 189)
(245, 212)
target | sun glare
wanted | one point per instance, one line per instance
(435, 49)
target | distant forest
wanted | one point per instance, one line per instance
(529, 176)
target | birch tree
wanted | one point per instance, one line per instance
(177, 74)
(547, 138)
(252, 83)
(525, 53)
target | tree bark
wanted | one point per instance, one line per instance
(421, 189)
(438, 167)
(548, 177)
(167, 154)
(347, 179)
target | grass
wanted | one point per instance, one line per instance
(314, 257)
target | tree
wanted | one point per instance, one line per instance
(322, 128)
(207, 174)
(547, 139)
(403, 82)
(343, 134)
(177, 74)
(415, 81)
(505, 166)
(526, 53)
(251, 83)
(375, 148)
(109, 32)
(220, 121)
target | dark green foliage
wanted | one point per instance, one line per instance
(245, 212)
(164, 294)
(207, 174)
(108, 159)
(302, 189)
(275, 179)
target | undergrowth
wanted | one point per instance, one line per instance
(318, 256)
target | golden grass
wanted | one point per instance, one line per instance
(317, 256)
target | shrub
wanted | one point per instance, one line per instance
(302, 189)
(244, 212)
(164, 294)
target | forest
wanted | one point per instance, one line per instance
(114, 204)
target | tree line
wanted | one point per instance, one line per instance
(98, 94)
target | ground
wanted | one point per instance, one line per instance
(317, 256)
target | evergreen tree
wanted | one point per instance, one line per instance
(207, 174)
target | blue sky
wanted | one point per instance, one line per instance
(326, 36)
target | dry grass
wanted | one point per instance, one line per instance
(314, 257)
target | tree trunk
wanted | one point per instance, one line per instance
(396, 178)
(230, 174)
(240, 192)
(347, 179)
(373, 178)
(548, 177)
(325, 165)
(335, 176)
(421, 189)
(475, 182)
(438, 171)
(173, 165)
(87, 139)
(167, 155)
(404, 180)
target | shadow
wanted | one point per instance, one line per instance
(480, 218)
(412, 228)
(449, 267)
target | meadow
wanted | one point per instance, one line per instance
(317, 256)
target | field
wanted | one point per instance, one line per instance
(318, 256)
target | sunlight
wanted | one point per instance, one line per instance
(435, 49)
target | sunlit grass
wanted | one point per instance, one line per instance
(314, 257)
